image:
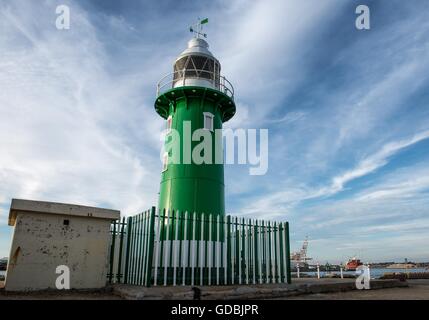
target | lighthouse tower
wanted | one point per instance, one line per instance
(194, 96)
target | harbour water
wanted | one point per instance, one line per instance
(375, 273)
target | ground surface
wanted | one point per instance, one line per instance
(53, 295)
(418, 289)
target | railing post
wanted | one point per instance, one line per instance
(287, 244)
(218, 249)
(112, 252)
(166, 248)
(158, 247)
(127, 252)
(202, 247)
(255, 252)
(171, 244)
(150, 247)
(180, 240)
(208, 250)
(194, 262)
(121, 243)
(263, 253)
(175, 245)
(139, 260)
(275, 271)
(143, 239)
(228, 265)
(186, 239)
(237, 250)
(281, 251)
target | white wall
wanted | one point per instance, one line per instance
(41, 242)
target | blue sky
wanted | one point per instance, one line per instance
(347, 112)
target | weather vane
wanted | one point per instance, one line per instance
(197, 28)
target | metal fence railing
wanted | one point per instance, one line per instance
(188, 77)
(181, 248)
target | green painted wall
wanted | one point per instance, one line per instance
(193, 187)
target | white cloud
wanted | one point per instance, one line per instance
(281, 202)
(262, 46)
(67, 125)
(375, 161)
(77, 122)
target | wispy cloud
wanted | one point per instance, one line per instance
(77, 122)
(374, 162)
(69, 123)
(279, 203)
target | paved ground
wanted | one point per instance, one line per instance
(417, 290)
(53, 295)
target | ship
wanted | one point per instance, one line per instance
(300, 258)
(352, 264)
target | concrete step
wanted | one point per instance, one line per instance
(247, 292)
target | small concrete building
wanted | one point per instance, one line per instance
(47, 235)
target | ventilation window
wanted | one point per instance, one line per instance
(208, 121)
(165, 162)
(169, 124)
(66, 222)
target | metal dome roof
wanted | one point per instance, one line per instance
(197, 47)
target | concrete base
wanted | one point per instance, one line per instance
(247, 292)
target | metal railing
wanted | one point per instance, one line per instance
(182, 248)
(189, 77)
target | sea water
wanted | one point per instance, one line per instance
(375, 273)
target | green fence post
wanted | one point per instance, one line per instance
(172, 228)
(112, 251)
(255, 248)
(264, 252)
(181, 236)
(270, 253)
(121, 243)
(151, 245)
(162, 242)
(139, 249)
(237, 251)
(243, 252)
(228, 266)
(145, 236)
(282, 256)
(134, 250)
(287, 253)
(276, 262)
(127, 252)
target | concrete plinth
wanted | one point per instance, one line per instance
(247, 292)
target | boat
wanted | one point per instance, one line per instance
(352, 264)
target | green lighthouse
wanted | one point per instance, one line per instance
(194, 97)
